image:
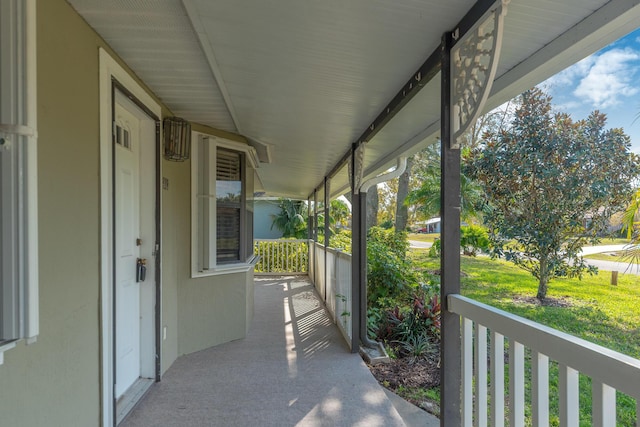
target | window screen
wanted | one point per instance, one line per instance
(229, 199)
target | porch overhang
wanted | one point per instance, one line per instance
(302, 83)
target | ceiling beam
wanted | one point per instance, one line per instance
(207, 49)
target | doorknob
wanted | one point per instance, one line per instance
(141, 270)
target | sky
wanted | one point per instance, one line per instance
(608, 81)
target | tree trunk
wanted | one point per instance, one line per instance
(543, 281)
(372, 207)
(402, 211)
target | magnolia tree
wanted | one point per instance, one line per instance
(551, 185)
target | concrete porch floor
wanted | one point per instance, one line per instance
(293, 369)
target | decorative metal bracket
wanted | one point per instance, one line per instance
(357, 160)
(474, 61)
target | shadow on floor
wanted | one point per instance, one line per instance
(292, 369)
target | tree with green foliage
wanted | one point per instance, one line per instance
(339, 213)
(551, 185)
(427, 196)
(291, 219)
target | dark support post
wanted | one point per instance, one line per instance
(358, 225)
(309, 236)
(309, 221)
(327, 234)
(315, 235)
(362, 265)
(450, 346)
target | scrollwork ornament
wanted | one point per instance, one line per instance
(358, 161)
(474, 60)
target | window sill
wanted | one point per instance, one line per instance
(5, 347)
(241, 267)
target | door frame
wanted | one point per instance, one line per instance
(114, 77)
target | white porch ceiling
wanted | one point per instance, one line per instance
(307, 78)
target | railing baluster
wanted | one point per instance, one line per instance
(516, 384)
(497, 379)
(539, 389)
(467, 372)
(568, 385)
(604, 405)
(480, 419)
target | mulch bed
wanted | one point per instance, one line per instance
(423, 373)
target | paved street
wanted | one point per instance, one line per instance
(420, 245)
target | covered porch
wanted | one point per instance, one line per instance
(293, 369)
(304, 101)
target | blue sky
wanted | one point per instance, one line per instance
(608, 81)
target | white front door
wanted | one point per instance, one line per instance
(127, 247)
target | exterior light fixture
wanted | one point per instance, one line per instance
(177, 139)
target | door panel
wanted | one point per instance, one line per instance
(127, 230)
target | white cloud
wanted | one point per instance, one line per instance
(608, 77)
(567, 106)
(568, 76)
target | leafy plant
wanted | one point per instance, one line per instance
(341, 240)
(631, 224)
(389, 273)
(436, 249)
(417, 347)
(473, 239)
(291, 219)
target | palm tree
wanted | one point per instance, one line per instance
(427, 197)
(290, 219)
(339, 213)
(631, 223)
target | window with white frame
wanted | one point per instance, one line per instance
(18, 193)
(222, 212)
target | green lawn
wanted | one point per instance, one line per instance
(613, 241)
(424, 237)
(598, 312)
(608, 256)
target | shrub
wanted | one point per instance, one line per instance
(436, 249)
(473, 239)
(398, 243)
(389, 273)
(412, 325)
(341, 240)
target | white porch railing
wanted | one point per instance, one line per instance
(608, 369)
(335, 287)
(281, 256)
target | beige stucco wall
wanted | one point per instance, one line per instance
(202, 312)
(56, 381)
(212, 311)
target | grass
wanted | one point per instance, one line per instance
(613, 241)
(600, 313)
(424, 237)
(607, 256)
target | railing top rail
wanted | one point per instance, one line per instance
(608, 366)
(337, 252)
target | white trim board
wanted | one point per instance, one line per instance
(109, 70)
